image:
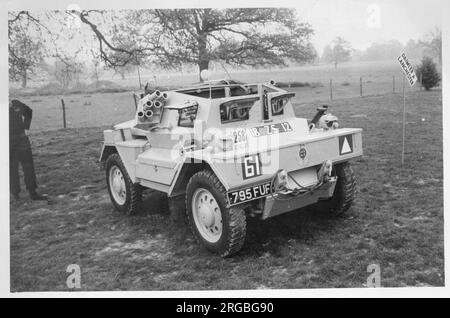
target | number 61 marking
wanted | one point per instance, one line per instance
(251, 166)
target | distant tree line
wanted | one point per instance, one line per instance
(341, 51)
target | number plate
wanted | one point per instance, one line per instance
(248, 194)
(271, 129)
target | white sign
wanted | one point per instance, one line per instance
(407, 69)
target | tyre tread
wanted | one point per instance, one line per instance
(344, 193)
(135, 189)
(237, 224)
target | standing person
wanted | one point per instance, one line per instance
(20, 150)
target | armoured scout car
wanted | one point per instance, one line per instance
(224, 151)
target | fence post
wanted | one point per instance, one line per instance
(63, 112)
(331, 89)
(393, 84)
(360, 86)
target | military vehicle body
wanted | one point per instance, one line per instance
(224, 151)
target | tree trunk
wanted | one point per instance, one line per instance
(139, 76)
(203, 59)
(202, 65)
(24, 79)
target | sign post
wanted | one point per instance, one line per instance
(411, 76)
(404, 121)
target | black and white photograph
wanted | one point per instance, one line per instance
(268, 146)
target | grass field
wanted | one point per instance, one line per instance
(373, 72)
(396, 221)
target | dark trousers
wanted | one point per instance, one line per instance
(20, 152)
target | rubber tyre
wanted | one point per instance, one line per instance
(233, 219)
(344, 192)
(133, 191)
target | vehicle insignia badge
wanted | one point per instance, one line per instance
(345, 144)
(302, 152)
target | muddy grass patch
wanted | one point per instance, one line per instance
(396, 221)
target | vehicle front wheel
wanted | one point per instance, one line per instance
(124, 194)
(219, 228)
(344, 192)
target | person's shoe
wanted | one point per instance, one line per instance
(37, 197)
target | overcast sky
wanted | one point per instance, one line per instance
(362, 22)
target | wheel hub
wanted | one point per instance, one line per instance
(117, 185)
(207, 215)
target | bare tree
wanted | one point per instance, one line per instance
(26, 56)
(115, 52)
(339, 51)
(433, 43)
(132, 65)
(171, 38)
(123, 70)
(67, 71)
(96, 66)
(25, 52)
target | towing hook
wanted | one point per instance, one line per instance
(281, 179)
(279, 184)
(324, 173)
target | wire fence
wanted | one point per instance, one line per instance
(333, 89)
(100, 109)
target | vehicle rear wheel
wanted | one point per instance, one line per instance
(124, 194)
(220, 229)
(344, 192)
